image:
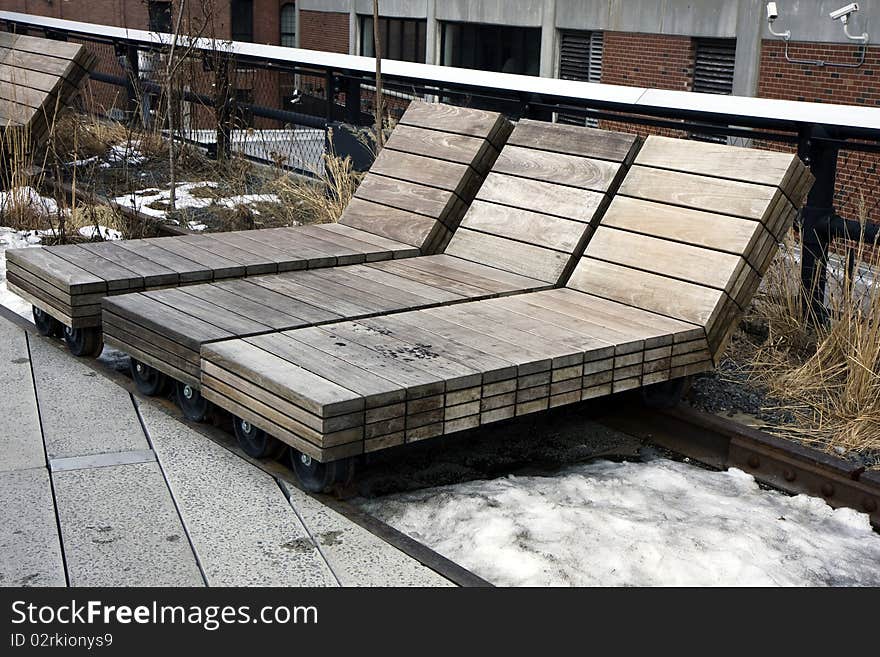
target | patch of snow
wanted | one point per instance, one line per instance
(196, 226)
(659, 523)
(102, 232)
(15, 239)
(184, 198)
(127, 153)
(27, 196)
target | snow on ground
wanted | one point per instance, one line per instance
(184, 198)
(643, 524)
(14, 239)
(129, 153)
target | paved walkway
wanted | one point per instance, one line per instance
(98, 488)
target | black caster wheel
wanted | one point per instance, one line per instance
(665, 395)
(85, 342)
(319, 477)
(255, 442)
(194, 406)
(46, 324)
(148, 380)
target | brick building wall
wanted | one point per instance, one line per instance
(323, 30)
(647, 60)
(858, 174)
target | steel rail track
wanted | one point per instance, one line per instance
(776, 462)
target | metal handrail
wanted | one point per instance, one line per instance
(847, 121)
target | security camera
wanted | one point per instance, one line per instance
(772, 12)
(844, 12)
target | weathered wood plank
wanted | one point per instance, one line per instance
(187, 270)
(596, 175)
(660, 294)
(223, 317)
(381, 246)
(475, 152)
(291, 382)
(573, 140)
(740, 199)
(665, 257)
(398, 225)
(548, 198)
(153, 274)
(219, 266)
(749, 165)
(59, 272)
(527, 226)
(376, 390)
(452, 177)
(408, 196)
(524, 259)
(712, 231)
(459, 120)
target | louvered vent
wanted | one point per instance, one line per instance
(714, 61)
(580, 58)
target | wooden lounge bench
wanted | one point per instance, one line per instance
(37, 78)
(521, 233)
(413, 197)
(676, 258)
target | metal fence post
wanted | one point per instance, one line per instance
(329, 83)
(353, 101)
(132, 84)
(816, 218)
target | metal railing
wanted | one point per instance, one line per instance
(276, 104)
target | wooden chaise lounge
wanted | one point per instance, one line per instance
(408, 204)
(525, 231)
(661, 284)
(37, 78)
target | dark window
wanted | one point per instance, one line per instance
(580, 58)
(242, 17)
(288, 25)
(401, 38)
(160, 16)
(492, 47)
(714, 61)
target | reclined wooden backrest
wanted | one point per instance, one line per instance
(427, 174)
(538, 205)
(692, 230)
(37, 77)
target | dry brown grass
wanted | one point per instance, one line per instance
(322, 200)
(827, 374)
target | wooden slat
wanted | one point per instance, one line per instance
(146, 311)
(516, 257)
(219, 266)
(153, 274)
(269, 317)
(667, 258)
(491, 279)
(187, 270)
(324, 398)
(210, 313)
(542, 230)
(376, 390)
(704, 229)
(573, 140)
(701, 192)
(408, 196)
(475, 152)
(381, 245)
(56, 270)
(398, 225)
(459, 120)
(749, 165)
(548, 198)
(449, 176)
(660, 294)
(558, 168)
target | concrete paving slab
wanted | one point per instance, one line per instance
(82, 412)
(21, 442)
(101, 460)
(120, 528)
(358, 557)
(29, 545)
(244, 531)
